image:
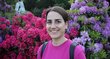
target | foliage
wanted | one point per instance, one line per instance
(92, 20)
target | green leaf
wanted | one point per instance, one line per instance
(81, 18)
(102, 54)
(94, 34)
(80, 0)
(71, 1)
(90, 4)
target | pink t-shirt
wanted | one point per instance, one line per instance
(60, 52)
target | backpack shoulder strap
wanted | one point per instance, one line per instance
(43, 48)
(72, 49)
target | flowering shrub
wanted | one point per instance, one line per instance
(92, 20)
(28, 33)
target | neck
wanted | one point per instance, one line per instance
(57, 42)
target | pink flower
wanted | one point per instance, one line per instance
(38, 23)
(29, 15)
(30, 41)
(2, 19)
(7, 36)
(12, 55)
(73, 32)
(33, 20)
(20, 33)
(31, 50)
(24, 37)
(33, 57)
(22, 45)
(14, 29)
(32, 32)
(5, 44)
(3, 26)
(43, 21)
(20, 56)
(25, 19)
(7, 22)
(16, 43)
(37, 47)
(6, 57)
(44, 37)
(44, 13)
(15, 20)
(27, 26)
(13, 41)
(67, 36)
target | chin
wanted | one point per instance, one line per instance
(54, 37)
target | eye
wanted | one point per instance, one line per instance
(48, 21)
(58, 21)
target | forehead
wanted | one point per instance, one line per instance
(54, 15)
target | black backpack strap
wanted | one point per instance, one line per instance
(43, 48)
(72, 49)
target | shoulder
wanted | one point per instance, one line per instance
(39, 50)
(79, 52)
(79, 49)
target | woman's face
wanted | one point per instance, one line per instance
(55, 25)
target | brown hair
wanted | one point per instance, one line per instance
(60, 10)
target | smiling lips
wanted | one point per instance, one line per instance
(54, 31)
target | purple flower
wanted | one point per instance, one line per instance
(93, 9)
(82, 10)
(84, 33)
(106, 33)
(106, 30)
(85, 37)
(97, 27)
(98, 47)
(75, 6)
(92, 20)
(75, 18)
(70, 22)
(100, 11)
(77, 40)
(105, 4)
(86, 21)
(83, 3)
(73, 23)
(88, 9)
(107, 46)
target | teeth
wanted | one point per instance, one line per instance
(54, 31)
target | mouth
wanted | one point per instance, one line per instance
(54, 31)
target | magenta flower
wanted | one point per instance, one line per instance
(67, 36)
(73, 32)
(20, 33)
(22, 46)
(20, 56)
(3, 26)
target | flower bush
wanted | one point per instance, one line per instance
(92, 20)
(28, 32)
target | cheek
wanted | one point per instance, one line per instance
(47, 28)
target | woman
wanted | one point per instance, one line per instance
(58, 47)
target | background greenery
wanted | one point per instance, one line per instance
(37, 6)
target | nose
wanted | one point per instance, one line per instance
(53, 26)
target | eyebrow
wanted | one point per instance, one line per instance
(57, 19)
(51, 19)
